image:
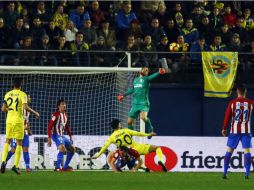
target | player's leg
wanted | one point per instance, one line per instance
(60, 146)
(26, 156)
(148, 124)
(12, 151)
(159, 155)
(233, 140)
(9, 136)
(130, 122)
(132, 115)
(18, 134)
(70, 152)
(246, 143)
(5, 153)
(17, 155)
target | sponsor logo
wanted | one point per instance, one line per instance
(211, 161)
(170, 159)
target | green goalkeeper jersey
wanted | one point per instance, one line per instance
(140, 90)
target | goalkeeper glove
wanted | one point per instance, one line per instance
(162, 71)
(120, 97)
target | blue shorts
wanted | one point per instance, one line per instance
(61, 140)
(233, 140)
(25, 142)
(120, 163)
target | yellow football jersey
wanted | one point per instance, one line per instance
(15, 100)
(122, 137)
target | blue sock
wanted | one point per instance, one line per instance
(226, 162)
(26, 159)
(247, 163)
(68, 159)
(10, 153)
(59, 159)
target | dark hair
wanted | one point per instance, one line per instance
(241, 88)
(123, 148)
(79, 33)
(60, 101)
(114, 123)
(17, 81)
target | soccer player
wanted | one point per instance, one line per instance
(239, 111)
(14, 103)
(25, 143)
(123, 137)
(57, 126)
(124, 156)
(140, 102)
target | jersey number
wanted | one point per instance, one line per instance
(10, 101)
(238, 113)
(127, 139)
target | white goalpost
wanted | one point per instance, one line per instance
(90, 93)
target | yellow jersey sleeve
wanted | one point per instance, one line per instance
(136, 133)
(105, 146)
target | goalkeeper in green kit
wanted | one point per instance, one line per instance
(140, 101)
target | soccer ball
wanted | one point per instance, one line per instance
(174, 47)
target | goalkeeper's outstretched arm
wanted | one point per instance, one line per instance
(128, 92)
(160, 72)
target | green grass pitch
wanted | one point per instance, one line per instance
(99, 180)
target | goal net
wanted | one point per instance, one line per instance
(90, 94)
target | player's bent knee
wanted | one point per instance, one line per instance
(153, 148)
(72, 149)
(25, 149)
(61, 148)
(246, 150)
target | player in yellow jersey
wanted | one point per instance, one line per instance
(14, 103)
(123, 137)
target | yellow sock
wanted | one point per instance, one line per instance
(5, 152)
(17, 155)
(159, 154)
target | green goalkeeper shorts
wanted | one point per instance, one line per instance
(136, 109)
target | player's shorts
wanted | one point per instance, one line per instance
(136, 109)
(15, 131)
(233, 140)
(58, 139)
(142, 149)
(25, 142)
(120, 163)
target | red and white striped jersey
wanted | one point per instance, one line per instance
(26, 116)
(239, 111)
(58, 124)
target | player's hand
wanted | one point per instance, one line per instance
(71, 139)
(152, 134)
(162, 71)
(224, 132)
(49, 142)
(37, 115)
(120, 97)
(133, 170)
(94, 157)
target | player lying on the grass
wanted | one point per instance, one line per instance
(25, 143)
(123, 137)
(125, 156)
(140, 101)
(57, 126)
(14, 103)
(239, 111)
